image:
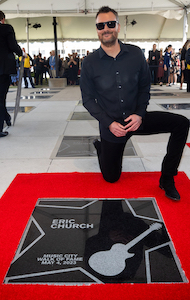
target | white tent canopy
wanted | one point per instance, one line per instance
(25, 8)
(157, 20)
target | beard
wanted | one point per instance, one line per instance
(108, 42)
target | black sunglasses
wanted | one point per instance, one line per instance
(110, 24)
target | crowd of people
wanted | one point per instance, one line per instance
(43, 68)
(168, 67)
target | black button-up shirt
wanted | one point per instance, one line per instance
(114, 88)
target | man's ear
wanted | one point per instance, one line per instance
(119, 27)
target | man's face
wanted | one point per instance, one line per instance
(107, 36)
(154, 47)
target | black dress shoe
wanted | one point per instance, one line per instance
(168, 185)
(2, 134)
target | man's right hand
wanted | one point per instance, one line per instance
(117, 129)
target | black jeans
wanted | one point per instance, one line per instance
(166, 75)
(27, 73)
(154, 71)
(110, 154)
(39, 76)
(4, 87)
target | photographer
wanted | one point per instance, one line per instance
(73, 70)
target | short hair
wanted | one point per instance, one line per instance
(107, 9)
(2, 15)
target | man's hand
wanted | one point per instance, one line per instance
(134, 122)
(117, 129)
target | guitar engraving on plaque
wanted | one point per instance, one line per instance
(112, 262)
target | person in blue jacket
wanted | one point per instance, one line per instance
(167, 59)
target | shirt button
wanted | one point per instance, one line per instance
(123, 113)
(119, 86)
(122, 100)
(117, 73)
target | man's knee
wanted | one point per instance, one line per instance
(186, 122)
(111, 178)
(183, 123)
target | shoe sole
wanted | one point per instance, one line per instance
(1, 136)
(174, 199)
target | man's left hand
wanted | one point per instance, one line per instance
(134, 122)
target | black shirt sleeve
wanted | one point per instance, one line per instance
(90, 97)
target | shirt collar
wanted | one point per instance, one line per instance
(123, 47)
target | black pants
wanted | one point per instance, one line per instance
(110, 154)
(154, 71)
(27, 73)
(39, 76)
(166, 75)
(4, 87)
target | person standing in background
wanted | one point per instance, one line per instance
(153, 61)
(52, 64)
(160, 74)
(187, 66)
(73, 70)
(39, 69)
(182, 60)
(27, 66)
(167, 64)
(8, 47)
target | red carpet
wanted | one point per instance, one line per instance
(188, 144)
(18, 202)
